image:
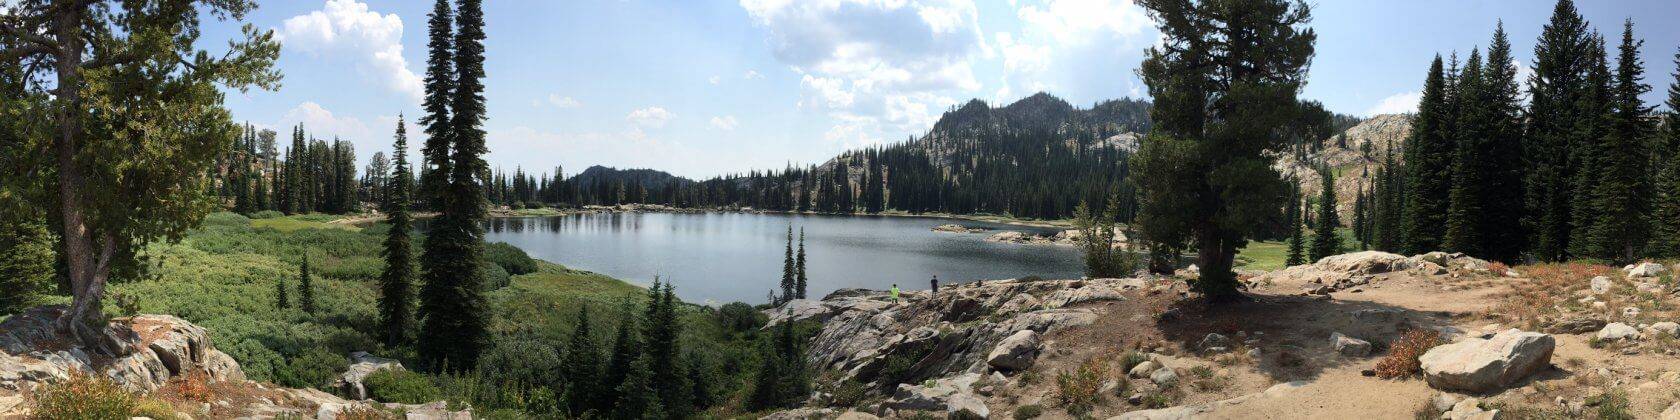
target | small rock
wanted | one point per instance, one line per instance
(966, 407)
(1666, 327)
(1618, 331)
(1630, 312)
(1164, 376)
(1600, 284)
(1444, 402)
(1214, 340)
(1575, 325)
(1142, 370)
(1349, 346)
(1646, 269)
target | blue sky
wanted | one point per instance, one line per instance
(707, 87)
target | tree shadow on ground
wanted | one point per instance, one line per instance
(1293, 333)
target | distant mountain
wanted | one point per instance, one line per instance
(648, 178)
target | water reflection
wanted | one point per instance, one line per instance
(738, 257)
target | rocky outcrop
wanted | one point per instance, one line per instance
(1645, 270)
(956, 228)
(159, 351)
(959, 330)
(1485, 364)
(150, 349)
(1017, 352)
(362, 365)
(1617, 331)
(935, 396)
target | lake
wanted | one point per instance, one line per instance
(725, 257)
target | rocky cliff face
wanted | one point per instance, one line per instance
(155, 354)
(1348, 157)
(874, 339)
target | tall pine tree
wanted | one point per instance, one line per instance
(1620, 231)
(799, 279)
(1665, 205)
(396, 289)
(306, 287)
(582, 368)
(1428, 157)
(451, 297)
(1562, 57)
(1326, 241)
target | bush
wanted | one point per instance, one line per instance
(510, 258)
(401, 386)
(315, 368)
(1028, 411)
(495, 277)
(1080, 390)
(739, 317)
(226, 219)
(521, 362)
(266, 214)
(1402, 359)
(1612, 405)
(84, 396)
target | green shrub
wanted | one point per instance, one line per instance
(495, 277)
(226, 219)
(1131, 360)
(401, 386)
(510, 258)
(1028, 411)
(84, 397)
(1079, 390)
(315, 368)
(524, 362)
(739, 317)
(266, 214)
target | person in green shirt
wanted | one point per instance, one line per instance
(895, 293)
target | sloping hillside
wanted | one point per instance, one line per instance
(1354, 155)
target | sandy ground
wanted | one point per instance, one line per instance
(1292, 334)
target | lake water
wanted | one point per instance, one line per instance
(725, 257)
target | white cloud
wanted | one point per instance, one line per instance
(321, 123)
(878, 68)
(714, 80)
(651, 117)
(725, 123)
(350, 28)
(750, 75)
(1399, 103)
(1076, 21)
(563, 102)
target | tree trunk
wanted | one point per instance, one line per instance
(1214, 256)
(87, 272)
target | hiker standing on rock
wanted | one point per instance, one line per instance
(935, 283)
(895, 293)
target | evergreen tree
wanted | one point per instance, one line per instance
(306, 288)
(1665, 205)
(1464, 209)
(700, 376)
(1428, 156)
(282, 300)
(661, 331)
(451, 296)
(1587, 157)
(1620, 230)
(1562, 57)
(637, 398)
(1501, 165)
(1359, 219)
(396, 290)
(582, 367)
(799, 279)
(1205, 150)
(1326, 241)
(1297, 241)
(439, 88)
(788, 292)
(626, 349)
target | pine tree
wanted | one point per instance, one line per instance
(1428, 156)
(1665, 205)
(626, 349)
(1587, 156)
(582, 367)
(637, 398)
(396, 290)
(1502, 231)
(1203, 145)
(451, 296)
(306, 288)
(1620, 229)
(439, 88)
(1464, 209)
(1326, 241)
(788, 292)
(661, 331)
(1297, 241)
(1561, 62)
(704, 391)
(799, 279)
(282, 300)
(1360, 221)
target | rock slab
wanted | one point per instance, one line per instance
(1485, 364)
(1016, 352)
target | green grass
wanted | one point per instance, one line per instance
(223, 276)
(1270, 255)
(298, 222)
(541, 211)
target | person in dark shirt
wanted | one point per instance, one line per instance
(935, 282)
